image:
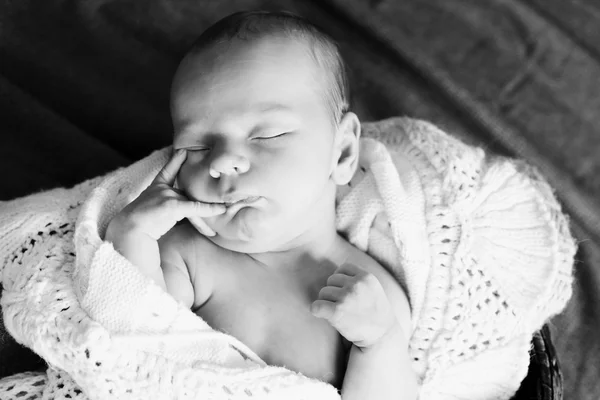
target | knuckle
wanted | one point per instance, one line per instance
(350, 267)
(322, 292)
(333, 278)
(154, 190)
(159, 187)
(342, 268)
(161, 175)
(353, 267)
(351, 291)
(169, 202)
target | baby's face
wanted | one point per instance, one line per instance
(254, 114)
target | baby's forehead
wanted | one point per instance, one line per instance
(283, 60)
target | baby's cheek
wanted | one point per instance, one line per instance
(181, 181)
(189, 179)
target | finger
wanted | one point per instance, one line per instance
(331, 293)
(339, 280)
(349, 269)
(323, 309)
(201, 226)
(169, 172)
(187, 208)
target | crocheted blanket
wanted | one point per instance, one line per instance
(479, 242)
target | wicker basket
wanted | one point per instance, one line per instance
(544, 379)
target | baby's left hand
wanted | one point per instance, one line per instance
(355, 303)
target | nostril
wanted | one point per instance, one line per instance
(213, 173)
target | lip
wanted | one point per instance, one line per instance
(228, 202)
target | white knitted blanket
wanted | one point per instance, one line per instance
(479, 242)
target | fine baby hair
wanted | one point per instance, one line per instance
(253, 25)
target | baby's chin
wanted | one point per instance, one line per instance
(245, 231)
(237, 245)
(241, 243)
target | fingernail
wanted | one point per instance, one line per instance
(180, 151)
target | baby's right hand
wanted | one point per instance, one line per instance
(159, 207)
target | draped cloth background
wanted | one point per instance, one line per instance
(84, 89)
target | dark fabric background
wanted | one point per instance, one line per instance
(84, 89)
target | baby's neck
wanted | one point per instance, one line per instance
(317, 243)
(329, 247)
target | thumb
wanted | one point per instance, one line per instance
(322, 309)
(201, 226)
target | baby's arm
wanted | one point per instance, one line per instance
(175, 272)
(359, 305)
(188, 278)
(381, 371)
(135, 230)
(159, 260)
(140, 249)
(163, 264)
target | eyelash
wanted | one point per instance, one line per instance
(276, 137)
(272, 137)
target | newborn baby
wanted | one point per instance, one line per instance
(240, 223)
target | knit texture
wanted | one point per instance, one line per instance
(479, 243)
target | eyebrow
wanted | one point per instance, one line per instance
(272, 107)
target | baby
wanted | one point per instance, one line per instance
(239, 225)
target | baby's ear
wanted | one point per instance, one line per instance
(345, 152)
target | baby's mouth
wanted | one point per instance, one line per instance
(247, 200)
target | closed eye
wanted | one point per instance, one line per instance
(197, 148)
(271, 137)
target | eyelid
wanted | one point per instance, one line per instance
(271, 137)
(197, 148)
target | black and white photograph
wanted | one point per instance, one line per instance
(300, 199)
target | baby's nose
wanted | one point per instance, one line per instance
(228, 164)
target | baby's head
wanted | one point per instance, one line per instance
(260, 103)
